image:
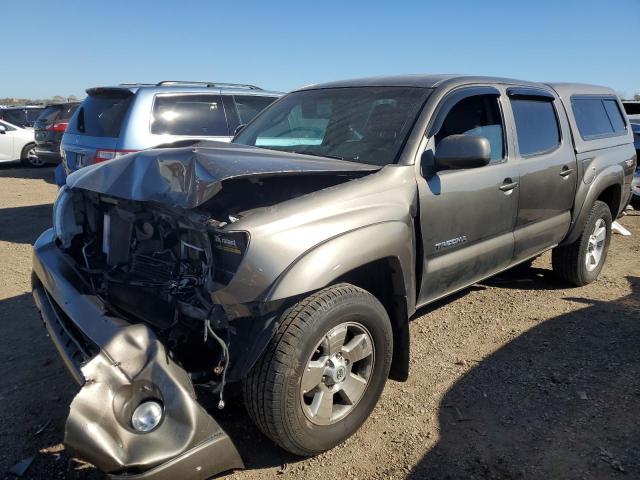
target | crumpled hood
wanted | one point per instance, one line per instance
(189, 176)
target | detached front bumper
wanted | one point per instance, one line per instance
(120, 365)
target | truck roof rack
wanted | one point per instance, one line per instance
(207, 84)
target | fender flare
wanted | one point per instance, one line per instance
(612, 175)
(326, 262)
(340, 255)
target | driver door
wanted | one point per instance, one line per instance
(467, 216)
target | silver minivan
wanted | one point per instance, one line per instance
(113, 121)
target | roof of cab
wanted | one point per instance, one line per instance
(419, 80)
(566, 90)
(434, 81)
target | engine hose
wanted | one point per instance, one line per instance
(225, 353)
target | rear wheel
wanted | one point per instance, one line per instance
(29, 158)
(581, 262)
(323, 372)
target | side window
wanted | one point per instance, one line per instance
(476, 115)
(536, 126)
(615, 117)
(7, 127)
(249, 106)
(196, 115)
(598, 117)
(17, 117)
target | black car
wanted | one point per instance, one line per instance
(21, 116)
(49, 128)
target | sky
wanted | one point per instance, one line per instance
(65, 47)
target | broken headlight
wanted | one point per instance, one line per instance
(64, 221)
(228, 250)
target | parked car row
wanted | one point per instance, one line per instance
(126, 118)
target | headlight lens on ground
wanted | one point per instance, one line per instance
(146, 416)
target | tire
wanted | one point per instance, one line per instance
(273, 389)
(29, 159)
(570, 261)
(635, 202)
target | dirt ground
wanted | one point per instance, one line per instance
(518, 377)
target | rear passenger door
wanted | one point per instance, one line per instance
(467, 216)
(547, 169)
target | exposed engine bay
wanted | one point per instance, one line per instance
(160, 265)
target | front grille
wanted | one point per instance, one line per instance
(76, 344)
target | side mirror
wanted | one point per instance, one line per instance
(239, 129)
(3, 129)
(462, 151)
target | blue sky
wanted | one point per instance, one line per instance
(65, 47)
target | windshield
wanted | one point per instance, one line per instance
(361, 124)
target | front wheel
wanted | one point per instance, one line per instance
(581, 262)
(29, 158)
(323, 372)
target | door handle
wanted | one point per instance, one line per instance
(508, 185)
(566, 171)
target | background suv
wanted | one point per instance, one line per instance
(112, 121)
(21, 116)
(49, 128)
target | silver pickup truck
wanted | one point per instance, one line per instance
(291, 260)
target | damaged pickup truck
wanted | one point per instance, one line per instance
(291, 260)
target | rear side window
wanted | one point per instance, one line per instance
(249, 106)
(194, 115)
(33, 114)
(102, 115)
(536, 126)
(598, 117)
(49, 114)
(17, 117)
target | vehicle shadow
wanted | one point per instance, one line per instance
(24, 224)
(257, 451)
(35, 394)
(15, 170)
(526, 277)
(549, 403)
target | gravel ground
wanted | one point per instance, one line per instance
(518, 377)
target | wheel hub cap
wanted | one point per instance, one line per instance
(337, 374)
(33, 158)
(595, 245)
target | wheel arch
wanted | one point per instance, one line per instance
(607, 187)
(25, 149)
(378, 258)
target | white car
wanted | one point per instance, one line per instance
(17, 143)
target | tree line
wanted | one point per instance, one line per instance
(38, 101)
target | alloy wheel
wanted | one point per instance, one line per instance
(337, 373)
